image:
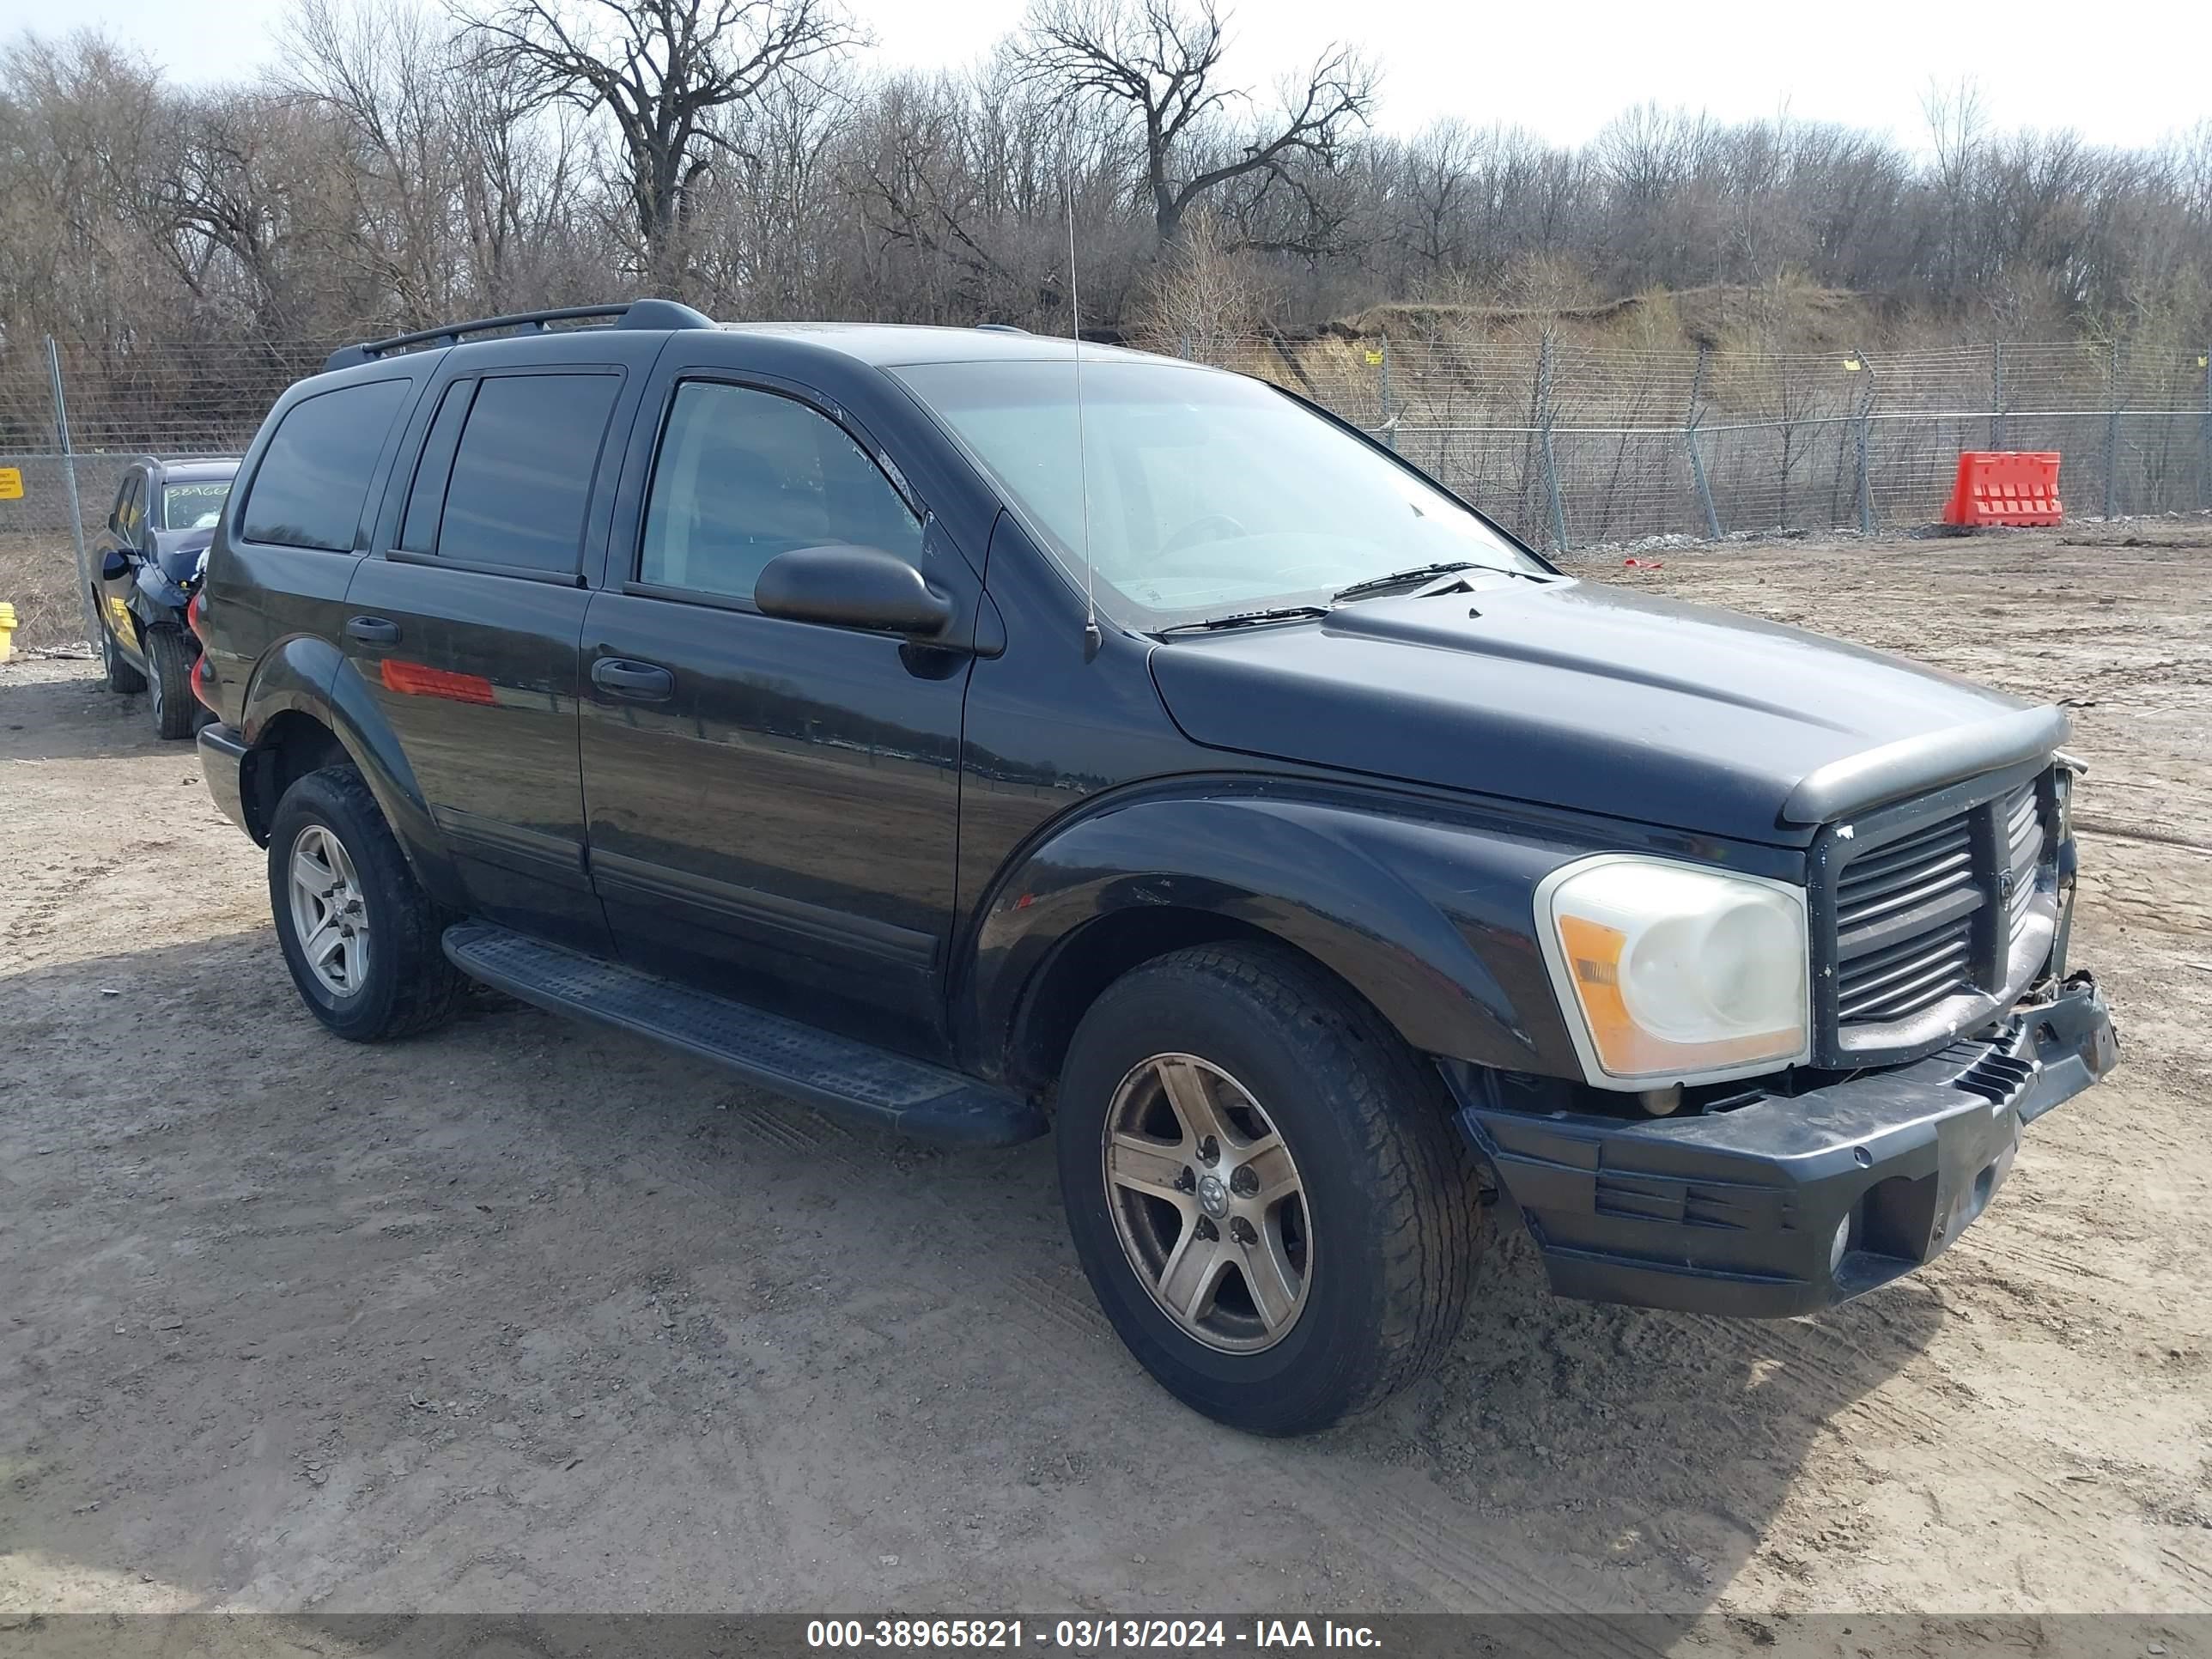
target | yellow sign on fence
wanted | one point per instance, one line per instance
(11, 483)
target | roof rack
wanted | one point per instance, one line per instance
(638, 314)
(1001, 328)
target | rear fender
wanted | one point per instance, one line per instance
(307, 675)
(1431, 921)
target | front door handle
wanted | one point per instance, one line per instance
(639, 682)
(372, 630)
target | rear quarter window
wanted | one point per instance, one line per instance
(313, 476)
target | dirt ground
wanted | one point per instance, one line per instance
(524, 1315)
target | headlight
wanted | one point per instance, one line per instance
(1671, 973)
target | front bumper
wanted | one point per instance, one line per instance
(222, 757)
(1738, 1211)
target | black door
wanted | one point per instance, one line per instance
(463, 623)
(772, 805)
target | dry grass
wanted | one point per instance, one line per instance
(38, 576)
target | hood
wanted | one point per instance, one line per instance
(177, 552)
(1593, 698)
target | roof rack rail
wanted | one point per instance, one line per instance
(1001, 328)
(638, 314)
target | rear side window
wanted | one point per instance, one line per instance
(418, 533)
(522, 473)
(744, 474)
(313, 476)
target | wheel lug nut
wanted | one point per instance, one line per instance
(1241, 1231)
(1209, 1150)
(1207, 1230)
(1244, 1183)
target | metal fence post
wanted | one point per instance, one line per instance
(2204, 437)
(1544, 431)
(1996, 395)
(1863, 430)
(1690, 437)
(1390, 420)
(2112, 431)
(69, 476)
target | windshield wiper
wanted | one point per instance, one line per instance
(1420, 572)
(1246, 618)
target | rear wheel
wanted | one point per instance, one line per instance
(121, 675)
(360, 935)
(1265, 1188)
(175, 712)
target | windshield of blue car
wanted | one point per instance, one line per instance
(1210, 494)
(194, 505)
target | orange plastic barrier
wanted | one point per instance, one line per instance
(2005, 486)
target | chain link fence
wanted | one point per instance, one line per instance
(1572, 445)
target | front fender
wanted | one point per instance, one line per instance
(1430, 920)
(159, 597)
(307, 675)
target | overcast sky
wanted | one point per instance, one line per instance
(2124, 72)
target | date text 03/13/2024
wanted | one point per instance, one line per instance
(1087, 1635)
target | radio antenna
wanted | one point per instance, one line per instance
(1091, 637)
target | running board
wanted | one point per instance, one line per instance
(856, 1080)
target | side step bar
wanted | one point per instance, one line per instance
(855, 1080)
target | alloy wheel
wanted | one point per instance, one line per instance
(330, 915)
(1207, 1203)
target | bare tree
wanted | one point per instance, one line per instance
(666, 73)
(1162, 58)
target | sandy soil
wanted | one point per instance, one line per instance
(523, 1315)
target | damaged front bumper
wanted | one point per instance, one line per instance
(1785, 1204)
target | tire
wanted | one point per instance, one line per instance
(1377, 1250)
(175, 709)
(121, 675)
(400, 981)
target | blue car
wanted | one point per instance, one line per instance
(148, 568)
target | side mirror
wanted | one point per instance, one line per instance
(113, 566)
(847, 586)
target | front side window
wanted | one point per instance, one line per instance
(522, 473)
(1208, 493)
(194, 505)
(744, 474)
(313, 476)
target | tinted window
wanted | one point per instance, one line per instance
(744, 474)
(427, 500)
(522, 475)
(314, 475)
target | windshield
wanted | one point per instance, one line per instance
(1210, 493)
(193, 506)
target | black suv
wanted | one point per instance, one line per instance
(971, 737)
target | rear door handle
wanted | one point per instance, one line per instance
(640, 681)
(372, 630)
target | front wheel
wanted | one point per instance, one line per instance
(175, 711)
(360, 935)
(1265, 1188)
